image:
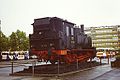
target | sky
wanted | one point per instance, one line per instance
(20, 14)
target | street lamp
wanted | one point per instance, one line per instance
(0, 29)
(0, 41)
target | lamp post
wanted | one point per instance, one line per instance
(0, 29)
(0, 34)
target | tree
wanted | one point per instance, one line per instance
(23, 41)
(19, 41)
(13, 41)
(4, 43)
(16, 41)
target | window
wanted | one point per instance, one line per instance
(72, 38)
(63, 23)
(72, 33)
(72, 42)
(67, 30)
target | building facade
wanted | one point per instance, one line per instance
(105, 37)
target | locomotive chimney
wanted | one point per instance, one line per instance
(82, 28)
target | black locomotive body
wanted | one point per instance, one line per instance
(63, 36)
(58, 33)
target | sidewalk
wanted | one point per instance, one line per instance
(103, 72)
(9, 64)
(91, 74)
(111, 75)
(16, 63)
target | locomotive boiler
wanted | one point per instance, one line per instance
(56, 39)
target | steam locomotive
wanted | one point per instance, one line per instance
(56, 39)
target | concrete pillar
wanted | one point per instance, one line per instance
(58, 67)
(77, 64)
(33, 69)
(108, 59)
(100, 60)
